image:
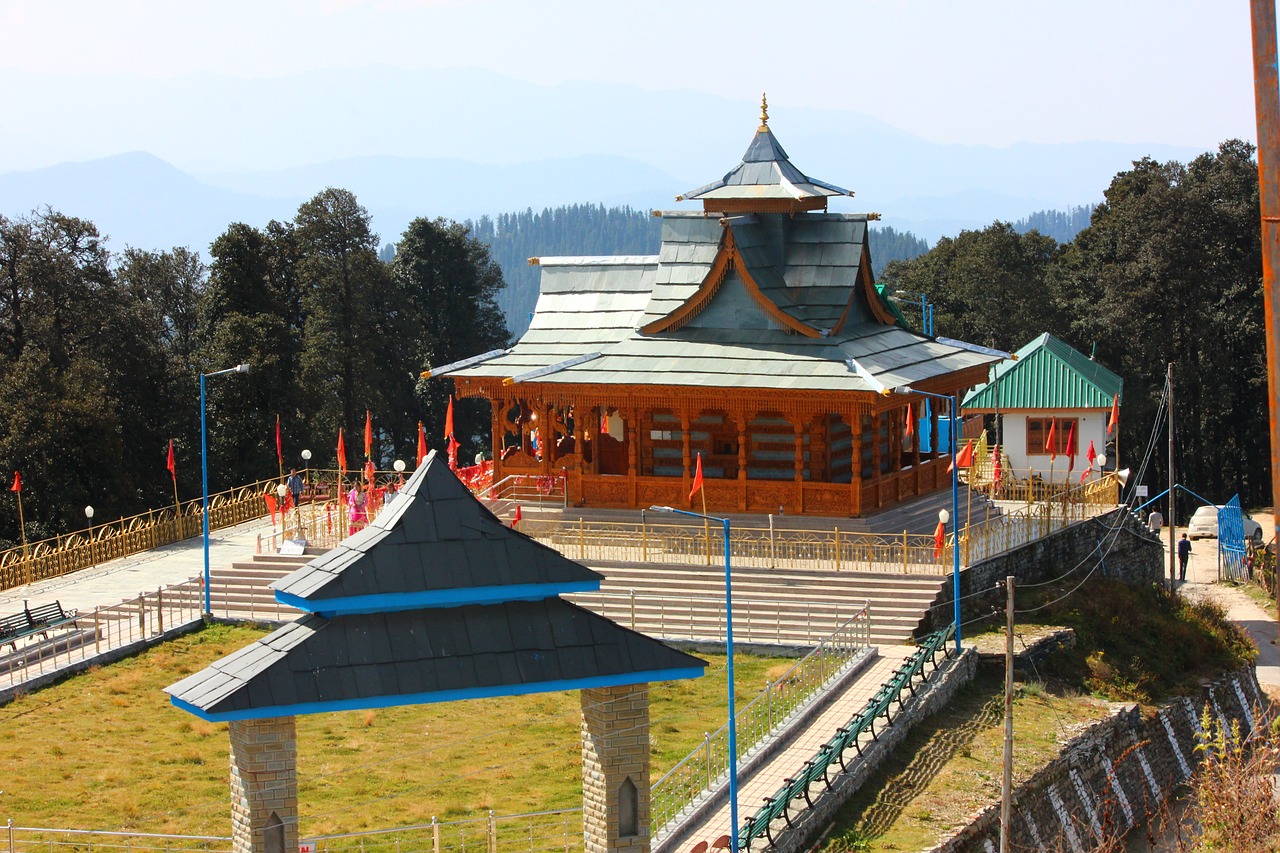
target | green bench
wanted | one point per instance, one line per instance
(34, 620)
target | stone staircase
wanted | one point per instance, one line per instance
(240, 591)
(772, 606)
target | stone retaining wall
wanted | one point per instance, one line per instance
(1112, 776)
(1133, 555)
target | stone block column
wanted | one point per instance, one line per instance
(615, 769)
(264, 786)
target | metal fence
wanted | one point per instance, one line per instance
(27, 839)
(683, 786)
(535, 832)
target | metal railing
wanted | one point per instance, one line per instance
(28, 839)
(700, 772)
(533, 832)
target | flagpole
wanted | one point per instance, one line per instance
(177, 508)
(22, 526)
(279, 450)
(706, 524)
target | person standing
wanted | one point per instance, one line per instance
(1155, 521)
(1184, 555)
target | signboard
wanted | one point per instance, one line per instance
(306, 847)
(1140, 491)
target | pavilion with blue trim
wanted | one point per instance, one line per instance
(435, 601)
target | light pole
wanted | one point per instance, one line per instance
(204, 476)
(88, 513)
(306, 478)
(728, 646)
(955, 498)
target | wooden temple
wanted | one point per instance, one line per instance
(756, 337)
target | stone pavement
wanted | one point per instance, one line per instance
(1257, 621)
(124, 578)
(754, 787)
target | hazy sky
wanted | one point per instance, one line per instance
(1160, 71)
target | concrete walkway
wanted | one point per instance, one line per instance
(124, 578)
(1257, 621)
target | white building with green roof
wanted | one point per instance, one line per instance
(1048, 384)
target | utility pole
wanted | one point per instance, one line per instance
(1006, 784)
(1173, 576)
(1266, 93)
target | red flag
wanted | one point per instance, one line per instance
(17, 483)
(604, 423)
(964, 459)
(279, 446)
(272, 505)
(171, 465)
(1091, 454)
(370, 473)
(1084, 475)
(911, 422)
(422, 444)
(697, 478)
(368, 434)
(515, 519)
(1115, 414)
(995, 465)
(342, 452)
(453, 454)
(448, 419)
(1050, 445)
(939, 540)
(1071, 447)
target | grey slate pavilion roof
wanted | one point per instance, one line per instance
(395, 625)
(434, 545)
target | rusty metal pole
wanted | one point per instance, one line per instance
(1266, 92)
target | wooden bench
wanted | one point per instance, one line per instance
(38, 620)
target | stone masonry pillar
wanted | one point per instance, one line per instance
(264, 786)
(615, 769)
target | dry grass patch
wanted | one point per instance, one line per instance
(106, 750)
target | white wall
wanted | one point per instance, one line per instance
(1092, 426)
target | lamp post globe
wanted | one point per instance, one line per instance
(88, 513)
(398, 465)
(944, 516)
(1102, 461)
(306, 456)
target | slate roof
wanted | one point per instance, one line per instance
(807, 265)
(434, 545)
(1047, 374)
(407, 657)
(765, 172)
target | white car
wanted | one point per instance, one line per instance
(1204, 523)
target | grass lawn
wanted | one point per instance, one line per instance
(106, 750)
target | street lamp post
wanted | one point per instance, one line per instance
(728, 645)
(204, 476)
(88, 513)
(306, 478)
(955, 499)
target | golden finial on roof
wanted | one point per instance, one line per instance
(764, 111)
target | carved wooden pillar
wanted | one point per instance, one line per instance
(547, 437)
(854, 420)
(686, 447)
(875, 459)
(632, 435)
(499, 436)
(915, 450)
(742, 417)
(599, 413)
(579, 447)
(933, 431)
(797, 425)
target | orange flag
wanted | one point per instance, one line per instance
(939, 540)
(17, 483)
(1049, 444)
(422, 444)
(964, 458)
(342, 452)
(911, 421)
(368, 434)
(995, 466)
(697, 478)
(1115, 414)
(448, 419)
(171, 465)
(1071, 447)
(515, 519)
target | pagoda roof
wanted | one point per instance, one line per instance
(434, 545)
(1047, 373)
(761, 301)
(766, 172)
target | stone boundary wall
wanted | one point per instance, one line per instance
(1112, 776)
(934, 694)
(1133, 554)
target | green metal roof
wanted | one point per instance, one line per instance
(1047, 374)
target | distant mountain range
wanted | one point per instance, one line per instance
(462, 144)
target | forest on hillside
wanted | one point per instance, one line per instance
(1061, 225)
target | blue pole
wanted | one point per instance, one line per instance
(924, 315)
(204, 495)
(733, 716)
(955, 517)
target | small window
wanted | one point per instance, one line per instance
(1063, 429)
(273, 835)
